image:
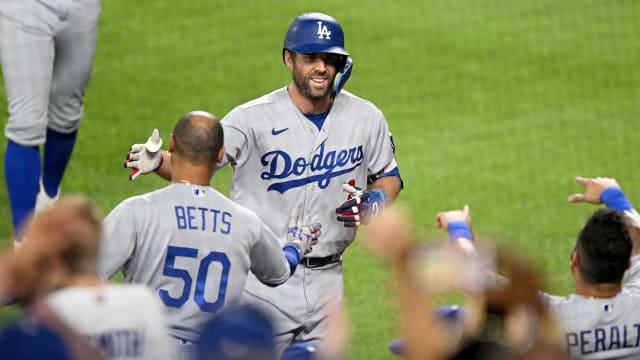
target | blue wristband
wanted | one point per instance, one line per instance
(614, 198)
(293, 254)
(459, 229)
(383, 195)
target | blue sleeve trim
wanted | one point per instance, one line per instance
(615, 199)
(394, 172)
(459, 229)
(293, 254)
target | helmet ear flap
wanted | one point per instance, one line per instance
(343, 76)
(342, 63)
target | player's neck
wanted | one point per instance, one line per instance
(597, 291)
(309, 106)
(187, 173)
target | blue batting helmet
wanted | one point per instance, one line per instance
(239, 332)
(315, 33)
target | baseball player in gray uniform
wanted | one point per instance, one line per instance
(54, 273)
(191, 243)
(47, 49)
(300, 146)
(602, 319)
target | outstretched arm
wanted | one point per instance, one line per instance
(165, 170)
(601, 190)
(388, 236)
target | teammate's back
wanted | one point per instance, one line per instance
(191, 244)
(194, 246)
(124, 321)
(606, 328)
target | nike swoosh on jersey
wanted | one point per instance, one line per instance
(275, 131)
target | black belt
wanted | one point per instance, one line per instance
(314, 262)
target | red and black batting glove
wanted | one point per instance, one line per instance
(363, 206)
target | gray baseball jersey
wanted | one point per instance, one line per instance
(124, 321)
(602, 328)
(281, 161)
(47, 49)
(194, 246)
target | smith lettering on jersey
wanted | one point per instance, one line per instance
(321, 169)
(120, 343)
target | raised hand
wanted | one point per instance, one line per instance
(145, 158)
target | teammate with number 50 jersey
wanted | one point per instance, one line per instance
(191, 243)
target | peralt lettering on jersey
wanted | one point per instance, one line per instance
(323, 31)
(602, 339)
(321, 169)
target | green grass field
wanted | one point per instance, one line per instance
(495, 104)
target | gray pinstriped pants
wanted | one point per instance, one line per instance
(47, 49)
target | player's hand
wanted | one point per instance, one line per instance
(304, 236)
(594, 188)
(363, 206)
(458, 225)
(145, 158)
(445, 217)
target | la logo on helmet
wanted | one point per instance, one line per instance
(323, 31)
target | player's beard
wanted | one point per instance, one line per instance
(302, 83)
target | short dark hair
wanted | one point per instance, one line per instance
(198, 137)
(604, 247)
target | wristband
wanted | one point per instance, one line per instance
(160, 162)
(383, 194)
(459, 229)
(614, 198)
(293, 254)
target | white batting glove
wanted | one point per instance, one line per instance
(145, 158)
(304, 236)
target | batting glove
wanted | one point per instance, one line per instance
(303, 236)
(145, 158)
(363, 206)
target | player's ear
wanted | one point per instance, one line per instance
(172, 143)
(288, 58)
(575, 259)
(220, 154)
